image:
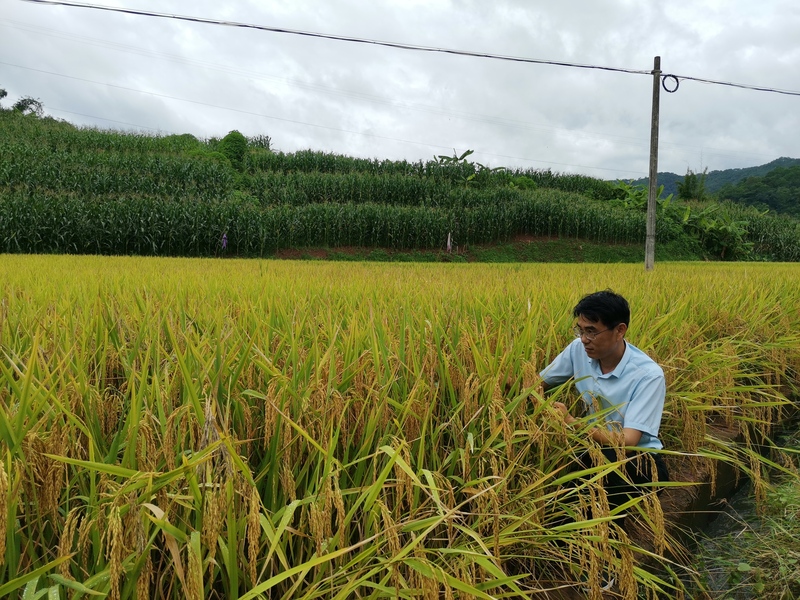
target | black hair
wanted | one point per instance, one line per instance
(606, 307)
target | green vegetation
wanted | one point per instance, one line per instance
(543, 250)
(716, 230)
(74, 190)
(234, 147)
(693, 186)
(760, 558)
(715, 180)
(778, 190)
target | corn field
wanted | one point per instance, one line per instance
(192, 428)
(35, 223)
(69, 190)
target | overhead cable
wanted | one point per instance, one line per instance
(403, 46)
(677, 79)
(328, 36)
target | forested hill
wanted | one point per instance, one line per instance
(778, 191)
(715, 180)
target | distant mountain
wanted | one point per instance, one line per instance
(716, 179)
(778, 191)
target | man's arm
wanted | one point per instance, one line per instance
(627, 437)
(561, 370)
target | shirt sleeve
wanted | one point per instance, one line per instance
(646, 405)
(561, 369)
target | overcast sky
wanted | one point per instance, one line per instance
(162, 76)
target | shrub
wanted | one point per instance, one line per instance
(234, 146)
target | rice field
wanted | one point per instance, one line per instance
(199, 428)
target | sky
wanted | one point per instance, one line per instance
(161, 76)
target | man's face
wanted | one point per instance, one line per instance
(606, 343)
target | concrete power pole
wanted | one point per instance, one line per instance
(650, 240)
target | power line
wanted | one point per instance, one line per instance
(415, 47)
(258, 114)
(433, 146)
(479, 118)
(677, 79)
(238, 110)
(72, 112)
(665, 77)
(328, 36)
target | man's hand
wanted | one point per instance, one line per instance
(562, 409)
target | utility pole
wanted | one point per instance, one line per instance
(650, 240)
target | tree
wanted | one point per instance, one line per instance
(29, 106)
(260, 141)
(693, 186)
(234, 146)
(3, 93)
(778, 190)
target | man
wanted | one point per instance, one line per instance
(618, 380)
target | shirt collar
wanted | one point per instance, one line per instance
(620, 368)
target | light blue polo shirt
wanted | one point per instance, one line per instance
(635, 388)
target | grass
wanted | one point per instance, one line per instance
(538, 250)
(760, 558)
(555, 250)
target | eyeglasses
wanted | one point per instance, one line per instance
(589, 335)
